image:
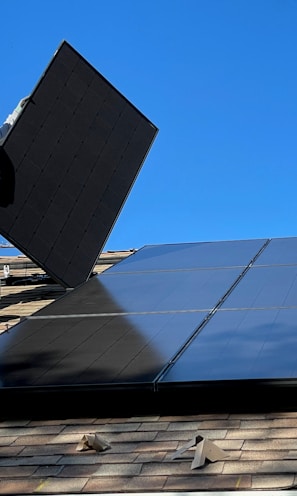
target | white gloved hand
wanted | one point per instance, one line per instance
(11, 118)
(21, 104)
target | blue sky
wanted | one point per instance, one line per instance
(219, 80)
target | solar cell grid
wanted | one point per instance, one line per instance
(76, 136)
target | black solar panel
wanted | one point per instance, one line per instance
(69, 164)
(188, 256)
(241, 345)
(177, 325)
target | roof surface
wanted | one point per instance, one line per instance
(41, 457)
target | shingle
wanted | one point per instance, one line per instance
(91, 458)
(201, 482)
(284, 422)
(292, 454)
(282, 433)
(229, 444)
(149, 419)
(28, 431)
(58, 485)
(151, 426)
(30, 460)
(257, 424)
(156, 446)
(271, 444)
(250, 416)
(280, 414)
(17, 471)
(106, 484)
(123, 448)
(158, 456)
(48, 449)
(184, 435)
(69, 471)
(151, 483)
(184, 426)
(122, 469)
(272, 481)
(219, 424)
(63, 422)
(280, 466)
(7, 440)
(79, 429)
(16, 423)
(132, 436)
(246, 467)
(179, 468)
(120, 427)
(10, 450)
(66, 438)
(19, 486)
(247, 433)
(262, 455)
(47, 471)
(193, 418)
(34, 439)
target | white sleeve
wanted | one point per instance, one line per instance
(4, 129)
(11, 118)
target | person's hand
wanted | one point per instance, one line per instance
(24, 101)
(21, 104)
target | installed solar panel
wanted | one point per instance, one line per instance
(253, 334)
(192, 256)
(179, 331)
(279, 251)
(75, 152)
(241, 344)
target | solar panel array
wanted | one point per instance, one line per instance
(180, 324)
(167, 319)
(68, 165)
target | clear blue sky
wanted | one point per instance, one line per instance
(219, 80)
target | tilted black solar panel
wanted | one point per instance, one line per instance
(69, 164)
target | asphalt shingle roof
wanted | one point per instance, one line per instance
(41, 457)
